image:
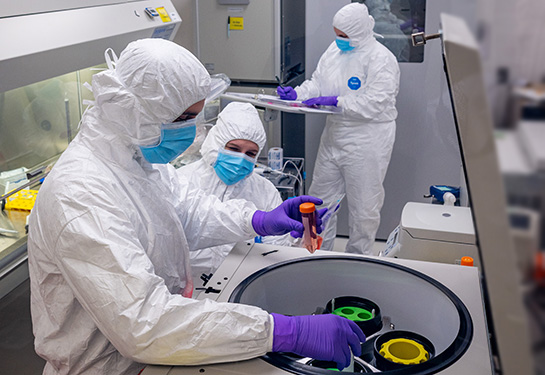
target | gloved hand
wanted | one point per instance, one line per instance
(286, 93)
(286, 217)
(326, 337)
(321, 100)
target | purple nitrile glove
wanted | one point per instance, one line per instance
(286, 218)
(326, 337)
(322, 100)
(286, 93)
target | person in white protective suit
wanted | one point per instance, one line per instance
(360, 76)
(110, 232)
(229, 153)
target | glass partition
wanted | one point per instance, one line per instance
(37, 122)
(395, 21)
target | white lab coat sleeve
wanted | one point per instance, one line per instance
(274, 201)
(311, 88)
(308, 89)
(377, 95)
(210, 222)
(285, 240)
(111, 276)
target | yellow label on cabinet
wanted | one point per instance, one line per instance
(163, 14)
(236, 23)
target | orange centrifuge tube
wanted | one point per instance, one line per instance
(308, 215)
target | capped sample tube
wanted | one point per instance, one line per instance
(310, 237)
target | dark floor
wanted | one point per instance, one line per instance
(17, 356)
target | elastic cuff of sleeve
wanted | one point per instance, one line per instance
(257, 222)
(271, 334)
(250, 225)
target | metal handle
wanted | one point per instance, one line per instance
(29, 183)
(419, 39)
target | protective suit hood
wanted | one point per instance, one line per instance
(354, 20)
(236, 121)
(153, 82)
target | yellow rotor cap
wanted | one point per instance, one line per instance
(404, 351)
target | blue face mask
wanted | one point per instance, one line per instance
(232, 167)
(176, 137)
(344, 44)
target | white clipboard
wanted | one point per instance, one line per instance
(274, 102)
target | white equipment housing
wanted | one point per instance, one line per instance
(435, 233)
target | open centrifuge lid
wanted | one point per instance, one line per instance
(486, 195)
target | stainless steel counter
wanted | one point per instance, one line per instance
(13, 251)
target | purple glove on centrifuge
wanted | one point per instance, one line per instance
(286, 218)
(322, 100)
(326, 337)
(286, 93)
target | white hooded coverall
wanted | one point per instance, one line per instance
(355, 146)
(236, 121)
(110, 233)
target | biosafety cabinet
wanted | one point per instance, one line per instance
(50, 39)
(49, 49)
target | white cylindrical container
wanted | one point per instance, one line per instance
(276, 158)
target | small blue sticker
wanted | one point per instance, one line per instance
(164, 32)
(354, 83)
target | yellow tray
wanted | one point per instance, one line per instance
(22, 200)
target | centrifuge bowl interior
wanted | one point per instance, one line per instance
(411, 300)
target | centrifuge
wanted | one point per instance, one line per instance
(440, 303)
